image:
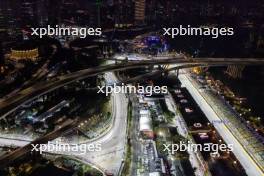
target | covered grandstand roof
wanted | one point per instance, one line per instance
(145, 123)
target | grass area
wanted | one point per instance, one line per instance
(41, 166)
(106, 107)
(128, 159)
(99, 121)
(169, 116)
(170, 135)
(80, 169)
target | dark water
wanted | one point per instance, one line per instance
(250, 86)
(244, 44)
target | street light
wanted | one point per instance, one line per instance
(172, 158)
(161, 133)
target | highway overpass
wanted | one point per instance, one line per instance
(10, 157)
(10, 104)
(109, 158)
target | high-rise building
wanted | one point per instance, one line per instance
(140, 6)
(28, 12)
(77, 12)
(8, 14)
(53, 10)
(32, 12)
(123, 11)
(1, 55)
(68, 10)
(110, 13)
(42, 12)
(3, 26)
(9, 21)
(151, 12)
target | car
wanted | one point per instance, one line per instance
(177, 91)
(188, 110)
(203, 135)
(180, 96)
(183, 101)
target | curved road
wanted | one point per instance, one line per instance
(111, 155)
(10, 104)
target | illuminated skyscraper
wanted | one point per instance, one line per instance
(8, 20)
(123, 10)
(1, 55)
(54, 10)
(140, 6)
(235, 71)
(28, 13)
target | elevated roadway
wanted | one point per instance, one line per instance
(243, 152)
(64, 80)
(10, 157)
(108, 159)
(10, 104)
